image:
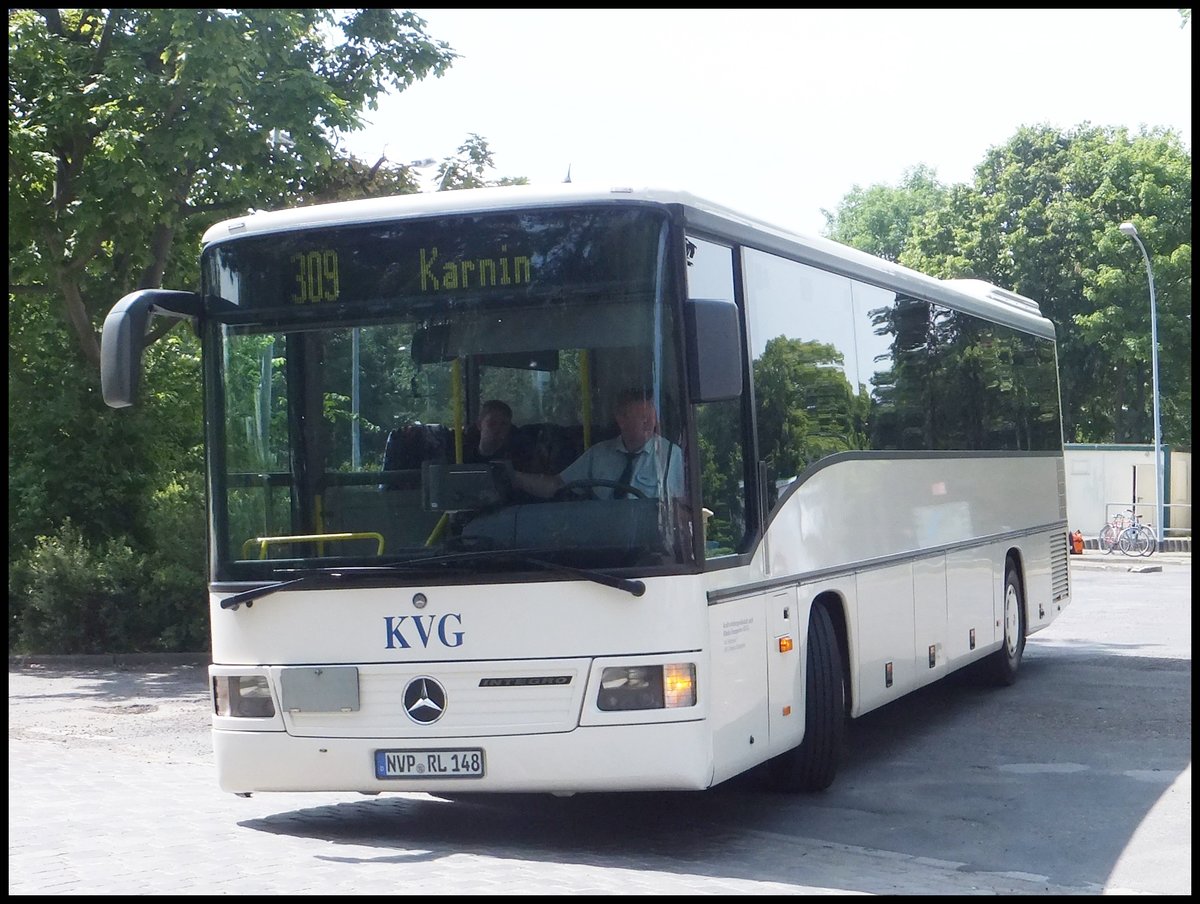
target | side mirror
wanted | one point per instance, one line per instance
(124, 338)
(714, 349)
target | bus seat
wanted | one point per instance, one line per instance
(408, 446)
(553, 447)
(558, 445)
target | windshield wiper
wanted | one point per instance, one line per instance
(310, 576)
(305, 576)
(629, 585)
(249, 596)
(484, 556)
(314, 575)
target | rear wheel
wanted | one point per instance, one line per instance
(1108, 538)
(1003, 665)
(812, 765)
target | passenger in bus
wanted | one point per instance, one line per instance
(495, 438)
(639, 458)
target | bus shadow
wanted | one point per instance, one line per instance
(1049, 778)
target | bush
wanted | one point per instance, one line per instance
(68, 596)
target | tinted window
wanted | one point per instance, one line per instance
(840, 366)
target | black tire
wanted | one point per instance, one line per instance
(1150, 544)
(1109, 537)
(812, 765)
(1003, 665)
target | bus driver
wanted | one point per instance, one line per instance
(639, 458)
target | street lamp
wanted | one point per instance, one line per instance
(429, 161)
(1130, 230)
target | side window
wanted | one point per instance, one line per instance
(719, 425)
(942, 380)
(804, 363)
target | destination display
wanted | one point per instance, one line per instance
(470, 257)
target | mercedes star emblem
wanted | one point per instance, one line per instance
(424, 700)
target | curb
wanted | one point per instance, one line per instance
(108, 660)
(1169, 545)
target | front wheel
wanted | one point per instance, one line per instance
(1137, 541)
(1151, 542)
(812, 765)
(1002, 666)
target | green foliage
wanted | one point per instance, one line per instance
(722, 469)
(1041, 219)
(878, 219)
(71, 596)
(87, 483)
(128, 126)
(470, 167)
(130, 132)
(68, 456)
(806, 407)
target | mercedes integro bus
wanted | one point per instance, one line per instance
(868, 481)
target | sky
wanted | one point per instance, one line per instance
(777, 113)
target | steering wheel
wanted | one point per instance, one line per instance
(576, 489)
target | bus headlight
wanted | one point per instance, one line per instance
(248, 696)
(647, 687)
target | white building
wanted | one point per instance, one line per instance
(1105, 480)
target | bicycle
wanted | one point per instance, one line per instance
(1110, 534)
(1138, 539)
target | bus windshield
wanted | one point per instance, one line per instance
(353, 364)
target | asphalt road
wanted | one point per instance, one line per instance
(1077, 780)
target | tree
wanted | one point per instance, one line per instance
(806, 406)
(131, 131)
(469, 168)
(1041, 219)
(878, 219)
(127, 125)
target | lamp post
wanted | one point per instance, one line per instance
(1130, 230)
(429, 161)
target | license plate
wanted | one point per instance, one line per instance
(449, 762)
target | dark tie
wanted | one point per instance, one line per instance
(626, 475)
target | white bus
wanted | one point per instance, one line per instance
(869, 491)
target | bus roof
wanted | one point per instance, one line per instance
(971, 295)
(476, 200)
